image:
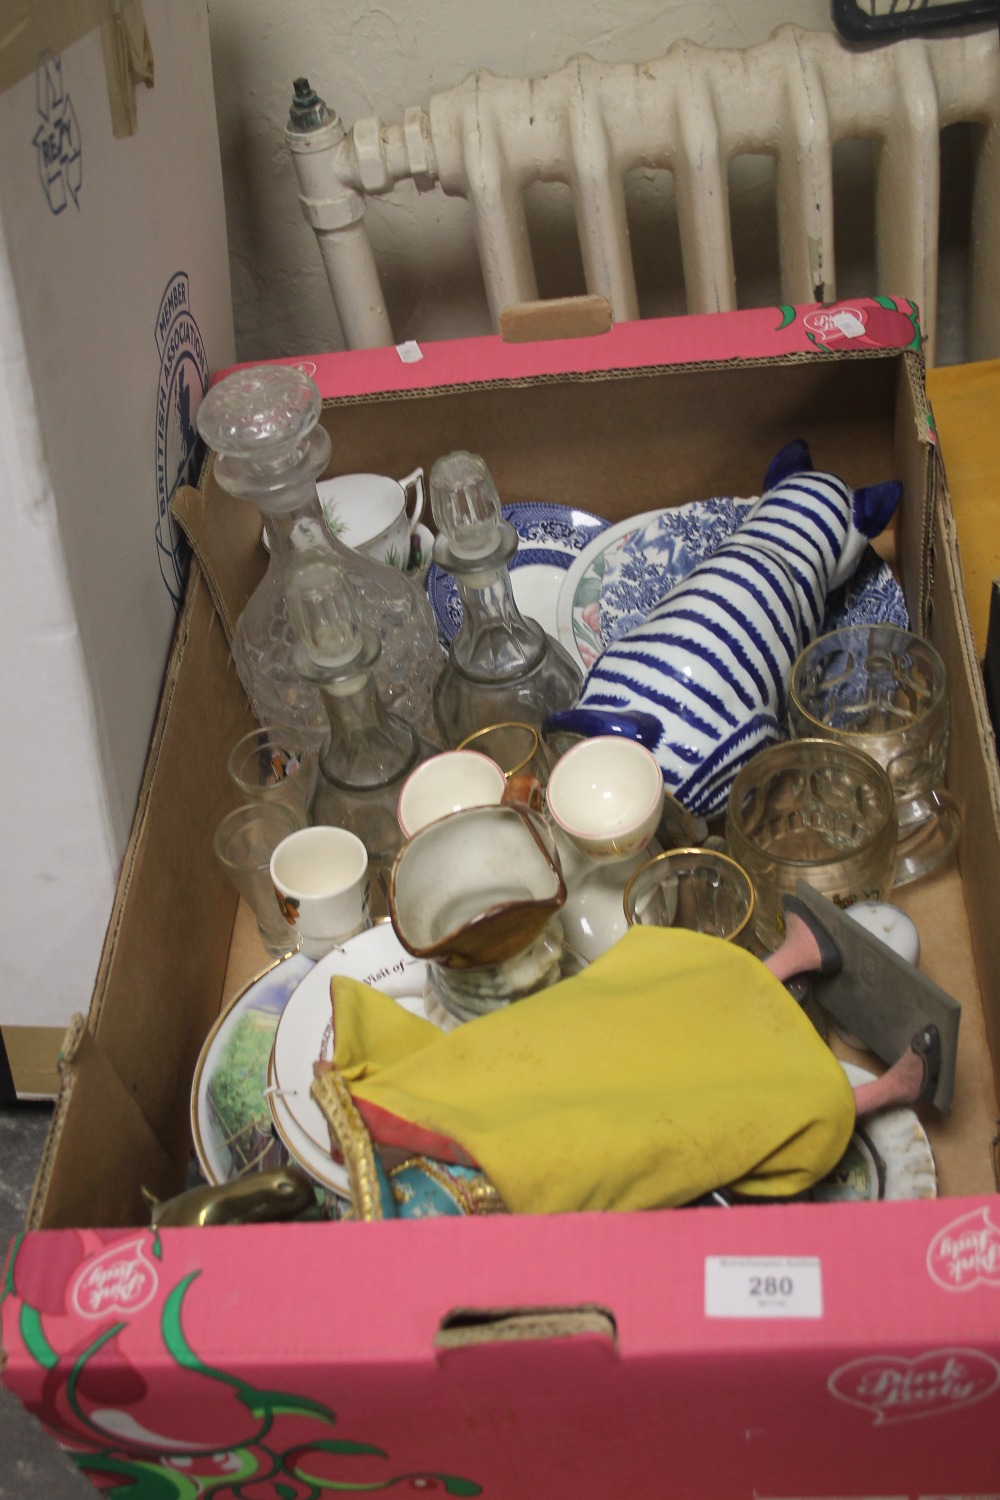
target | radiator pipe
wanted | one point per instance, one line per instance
(324, 164)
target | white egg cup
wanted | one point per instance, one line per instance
(606, 795)
(604, 798)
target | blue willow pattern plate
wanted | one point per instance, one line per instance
(657, 555)
(551, 538)
(629, 568)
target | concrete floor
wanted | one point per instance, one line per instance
(31, 1464)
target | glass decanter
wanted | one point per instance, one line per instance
(263, 424)
(370, 750)
(501, 666)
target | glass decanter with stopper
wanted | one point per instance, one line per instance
(263, 425)
(370, 750)
(501, 666)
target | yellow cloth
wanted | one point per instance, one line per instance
(674, 1064)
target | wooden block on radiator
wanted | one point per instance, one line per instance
(556, 318)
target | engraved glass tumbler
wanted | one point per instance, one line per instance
(883, 690)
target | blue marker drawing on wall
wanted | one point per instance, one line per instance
(57, 139)
(183, 382)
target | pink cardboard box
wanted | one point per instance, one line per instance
(809, 1351)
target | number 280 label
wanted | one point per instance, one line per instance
(746, 1286)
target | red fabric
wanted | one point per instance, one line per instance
(391, 1131)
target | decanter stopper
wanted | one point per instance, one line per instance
(465, 505)
(263, 425)
(323, 610)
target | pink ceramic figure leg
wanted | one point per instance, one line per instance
(798, 954)
(808, 947)
(911, 1080)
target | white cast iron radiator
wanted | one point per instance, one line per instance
(691, 111)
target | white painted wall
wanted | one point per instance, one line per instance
(366, 60)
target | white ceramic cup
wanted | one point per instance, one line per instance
(607, 795)
(374, 514)
(447, 783)
(320, 876)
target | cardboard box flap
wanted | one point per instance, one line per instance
(915, 468)
(225, 535)
(865, 328)
(173, 914)
(174, 907)
(100, 1152)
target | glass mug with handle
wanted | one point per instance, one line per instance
(883, 690)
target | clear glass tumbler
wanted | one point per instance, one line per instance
(883, 690)
(815, 809)
(276, 764)
(243, 842)
(698, 889)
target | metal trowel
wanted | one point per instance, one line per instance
(880, 997)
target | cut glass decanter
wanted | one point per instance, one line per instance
(263, 425)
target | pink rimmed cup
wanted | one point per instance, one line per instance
(606, 794)
(447, 783)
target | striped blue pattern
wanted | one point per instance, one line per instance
(711, 662)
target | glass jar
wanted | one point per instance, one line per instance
(501, 666)
(814, 810)
(263, 425)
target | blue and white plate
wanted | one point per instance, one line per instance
(618, 578)
(552, 537)
(661, 551)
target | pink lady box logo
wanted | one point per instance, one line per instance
(966, 1253)
(120, 1281)
(878, 324)
(836, 323)
(895, 1389)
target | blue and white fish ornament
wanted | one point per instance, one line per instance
(702, 681)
